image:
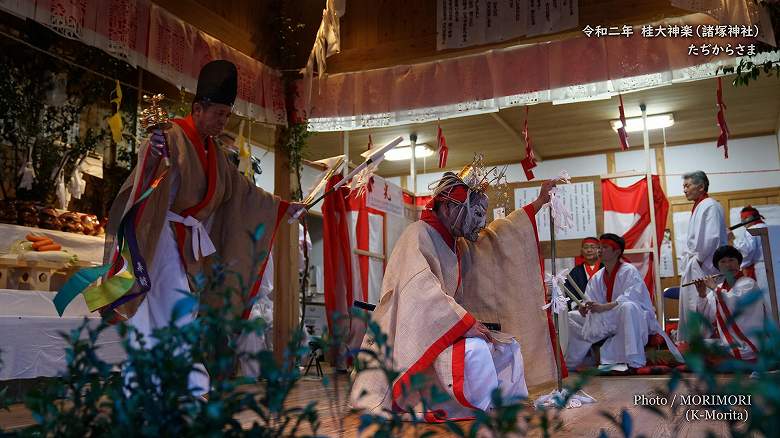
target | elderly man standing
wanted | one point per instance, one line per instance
(706, 233)
(445, 277)
(175, 220)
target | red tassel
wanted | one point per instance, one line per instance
(723, 138)
(529, 162)
(622, 133)
(441, 145)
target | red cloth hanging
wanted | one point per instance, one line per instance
(628, 208)
(622, 133)
(441, 145)
(723, 138)
(529, 162)
(337, 257)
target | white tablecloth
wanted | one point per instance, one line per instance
(30, 340)
(87, 248)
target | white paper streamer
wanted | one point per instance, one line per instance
(363, 178)
(63, 197)
(77, 185)
(28, 176)
(555, 399)
(557, 299)
(563, 218)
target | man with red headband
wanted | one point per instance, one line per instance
(456, 298)
(741, 322)
(588, 263)
(616, 309)
(750, 247)
(706, 232)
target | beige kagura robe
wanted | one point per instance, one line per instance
(427, 306)
(204, 185)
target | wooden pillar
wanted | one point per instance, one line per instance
(659, 298)
(611, 167)
(285, 253)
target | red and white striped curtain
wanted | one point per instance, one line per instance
(627, 214)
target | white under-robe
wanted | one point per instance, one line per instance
(753, 255)
(706, 232)
(169, 285)
(263, 307)
(749, 322)
(625, 327)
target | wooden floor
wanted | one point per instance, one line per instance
(612, 393)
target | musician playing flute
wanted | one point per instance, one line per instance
(706, 232)
(740, 322)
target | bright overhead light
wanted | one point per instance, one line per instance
(634, 124)
(402, 152)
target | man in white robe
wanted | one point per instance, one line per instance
(263, 308)
(719, 303)
(751, 249)
(706, 232)
(443, 277)
(616, 309)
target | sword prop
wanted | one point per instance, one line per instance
(375, 158)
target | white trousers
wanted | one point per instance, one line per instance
(625, 331)
(487, 366)
(169, 285)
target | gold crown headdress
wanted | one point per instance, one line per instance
(475, 176)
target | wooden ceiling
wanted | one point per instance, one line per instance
(384, 33)
(575, 129)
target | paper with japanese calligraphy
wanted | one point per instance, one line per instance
(385, 196)
(464, 23)
(579, 198)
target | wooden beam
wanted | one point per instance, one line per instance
(626, 174)
(396, 32)
(611, 166)
(514, 134)
(285, 251)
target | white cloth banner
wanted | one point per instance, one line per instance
(475, 22)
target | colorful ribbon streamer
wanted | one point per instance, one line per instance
(132, 268)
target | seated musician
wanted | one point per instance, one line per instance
(738, 330)
(616, 310)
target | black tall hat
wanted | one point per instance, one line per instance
(218, 83)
